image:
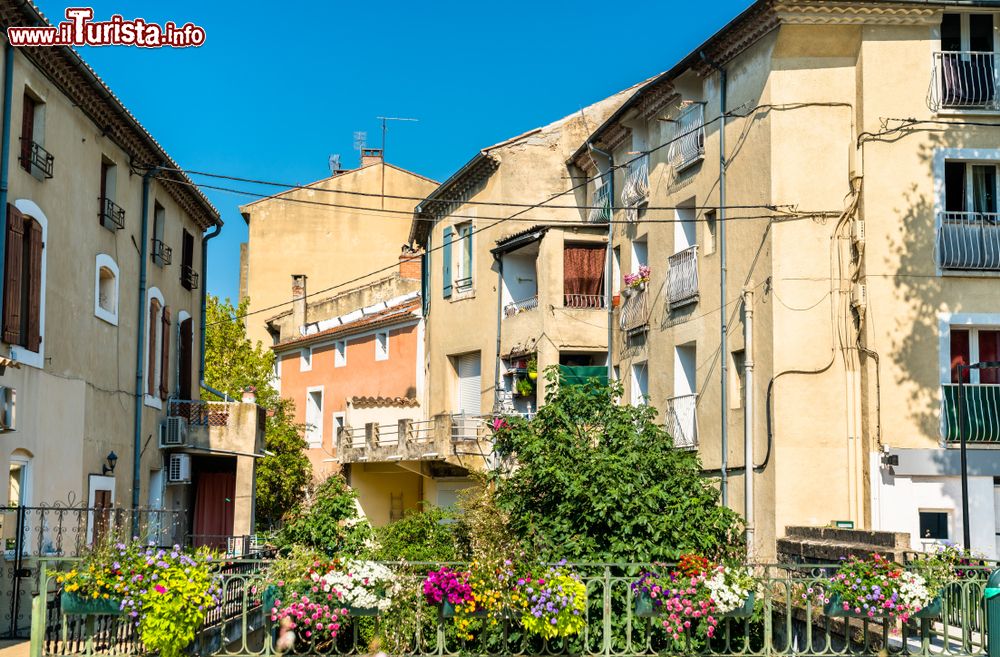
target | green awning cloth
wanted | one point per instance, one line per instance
(577, 375)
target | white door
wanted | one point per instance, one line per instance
(156, 520)
(470, 389)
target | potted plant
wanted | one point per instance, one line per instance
(648, 591)
(616, 300)
(880, 588)
(365, 587)
(698, 593)
(452, 592)
(637, 282)
(552, 604)
(533, 368)
(524, 388)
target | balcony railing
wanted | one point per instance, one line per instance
(470, 427)
(636, 187)
(162, 254)
(635, 312)
(463, 284)
(199, 413)
(112, 214)
(601, 212)
(585, 301)
(981, 412)
(517, 307)
(35, 158)
(682, 421)
(688, 139)
(189, 277)
(964, 80)
(969, 240)
(682, 277)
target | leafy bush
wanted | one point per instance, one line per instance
(427, 535)
(328, 522)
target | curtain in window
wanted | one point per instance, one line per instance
(959, 353)
(984, 185)
(213, 508)
(989, 352)
(583, 276)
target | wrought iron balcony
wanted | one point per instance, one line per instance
(964, 80)
(980, 410)
(634, 314)
(682, 421)
(969, 240)
(189, 277)
(517, 307)
(162, 254)
(636, 188)
(682, 277)
(585, 301)
(601, 212)
(35, 158)
(463, 284)
(688, 139)
(112, 215)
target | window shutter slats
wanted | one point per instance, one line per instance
(27, 131)
(33, 339)
(12, 276)
(446, 261)
(165, 355)
(154, 316)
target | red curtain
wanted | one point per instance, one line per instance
(959, 353)
(583, 274)
(213, 508)
(989, 352)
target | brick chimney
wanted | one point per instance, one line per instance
(370, 156)
(409, 265)
(298, 302)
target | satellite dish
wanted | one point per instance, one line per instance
(335, 163)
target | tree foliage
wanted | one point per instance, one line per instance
(596, 480)
(424, 535)
(329, 521)
(232, 363)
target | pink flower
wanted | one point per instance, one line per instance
(159, 588)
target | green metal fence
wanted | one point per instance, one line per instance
(787, 621)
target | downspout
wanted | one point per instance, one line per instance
(748, 392)
(204, 313)
(723, 328)
(609, 265)
(8, 96)
(140, 360)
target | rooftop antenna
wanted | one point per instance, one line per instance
(360, 140)
(335, 164)
(385, 120)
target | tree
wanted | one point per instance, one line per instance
(232, 364)
(329, 521)
(596, 480)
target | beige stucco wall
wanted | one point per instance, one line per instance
(288, 237)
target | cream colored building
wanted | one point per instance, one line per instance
(510, 289)
(336, 232)
(859, 226)
(101, 323)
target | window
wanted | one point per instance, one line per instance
(463, 257)
(24, 281)
(340, 353)
(110, 214)
(616, 273)
(157, 348)
(583, 275)
(684, 228)
(339, 422)
(470, 390)
(161, 253)
(106, 289)
(973, 345)
(711, 225)
(969, 232)
(640, 384)
(737, 378)
(314, 416)
(18, 481)
(967, 32)
(934, 525)
(34, 158)
(640, 255)
(382, 345)
(305, 359)
(189, 277)
(185, 355)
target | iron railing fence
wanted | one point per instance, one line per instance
(964, 80)
(682, 421)
(688, 139)
(112, 214)
(189, 277)
(634, 314)
(162, 254)
(600, 213)
(470, 427)
(789, 620)
(981, 412)
(585, 301)
(635, 191)
(969, 240)
(35, 158)
(682, 277)
(201, 413)
(517, 307)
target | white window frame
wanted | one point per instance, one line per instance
(104, 261)
(96, 483)
(340, 353)
(635, 255)
(458, 252)
(24, 494)
(381, 353)
(153, 332)
(21, 354)
(311, 443)
(977, 156)
(966, 321)
(635, 397)
(339, 422)
(305, 359)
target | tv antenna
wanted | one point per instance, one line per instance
(385, 120)
(335, 163)
(360, 139)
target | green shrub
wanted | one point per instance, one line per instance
(425, 535)
(329, 521)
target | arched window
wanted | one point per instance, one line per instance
(106, 289)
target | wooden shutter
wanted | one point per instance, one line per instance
(446, 261)
(165, 355)
(12, 276)
(33, 327)
(27, 131)
(187, 249)
(154, 317)
(184, 355)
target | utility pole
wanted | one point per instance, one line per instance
(385, 129)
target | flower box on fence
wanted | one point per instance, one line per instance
(835, 609)
(269, 597)
(448, 610)
(933, 610)
(362, 611)
(644, 607)
(743, 611)
(78, 605)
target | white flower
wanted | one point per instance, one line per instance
(726, 591)
(363, 584)
(913, 591)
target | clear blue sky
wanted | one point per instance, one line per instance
(279, 87)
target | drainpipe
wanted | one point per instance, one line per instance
(8, 96)
(609, 265)
(140, 360)
(748, 415)
(723, 328)
(497, 376)
(204, 313)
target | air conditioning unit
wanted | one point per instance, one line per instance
(858, 231)
(179, 469)
(173, 432)
(859, 296)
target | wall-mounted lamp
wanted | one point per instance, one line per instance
(110, 467)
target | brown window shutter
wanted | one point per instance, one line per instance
(165, 356)
(33, 328)
(104, 193)
(12, 276)
(27, 131)
(184, 355)
(154, 312)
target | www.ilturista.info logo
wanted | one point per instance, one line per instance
(79, 29)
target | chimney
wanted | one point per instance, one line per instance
(298, 302)
(409, 265)
(370, 156)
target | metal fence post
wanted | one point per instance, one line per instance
(38, 614)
